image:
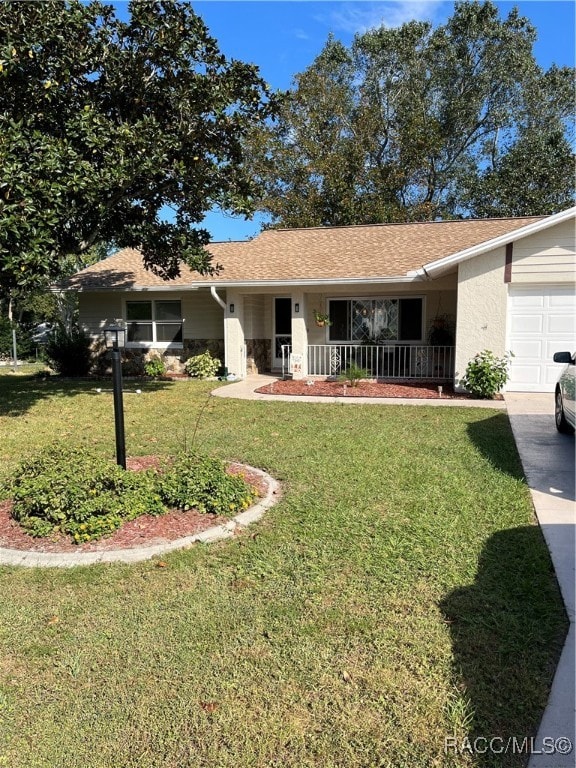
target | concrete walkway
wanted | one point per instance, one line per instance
(548, 461)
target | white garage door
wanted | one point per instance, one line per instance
(541, 321)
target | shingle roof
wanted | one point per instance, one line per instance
(381, 251)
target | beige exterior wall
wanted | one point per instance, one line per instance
(481, 311)
(98, 310)
(254, 316)
(548, 256)
(202, 316)
(439, 299)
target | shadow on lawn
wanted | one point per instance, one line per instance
(507, 633)
(493, 438)
(20, 393)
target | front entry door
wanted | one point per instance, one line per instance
(282, 329)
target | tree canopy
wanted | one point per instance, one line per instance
(419, 123)
(105, 124)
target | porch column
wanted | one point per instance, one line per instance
(299, 331)
(234, 334)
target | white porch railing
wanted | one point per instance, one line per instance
(383, 361)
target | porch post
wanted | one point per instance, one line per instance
(299, 331)
(234, 334)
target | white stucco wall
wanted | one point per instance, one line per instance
(481, 308)
(234, 334)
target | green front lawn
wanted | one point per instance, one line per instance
(398, 595)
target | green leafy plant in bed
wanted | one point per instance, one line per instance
(85, 496)
(202, 483)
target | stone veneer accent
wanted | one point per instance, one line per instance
(133, 360)
(258, 355)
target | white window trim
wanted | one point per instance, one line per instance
(392, 342)
(152, 344)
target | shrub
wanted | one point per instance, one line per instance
(154, 367)
(353, 374)
(68, 351)
(202, 366)
(486, 374)
(81, 494)
(202, 483)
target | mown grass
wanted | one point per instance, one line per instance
(398, 594)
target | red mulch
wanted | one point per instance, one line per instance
(324, 388)
(145, 530)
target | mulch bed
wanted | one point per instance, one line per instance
(145, 530)
(325, 388)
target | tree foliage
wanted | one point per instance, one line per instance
(416, 123)
(105, 123)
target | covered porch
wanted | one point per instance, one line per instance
(395, 331)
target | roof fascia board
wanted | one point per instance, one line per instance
(411, 278)
(441, 265)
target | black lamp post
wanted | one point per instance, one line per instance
(115, 340)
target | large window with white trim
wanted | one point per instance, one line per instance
(153, 323)
(376, 320)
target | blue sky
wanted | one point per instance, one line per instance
(283, 38)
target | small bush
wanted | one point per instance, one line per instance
(486, 374)
(202, 366)
(154, 367)
(68, 352)
(81, 494)
(354, 374)
(202, 483)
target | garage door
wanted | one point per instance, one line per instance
(541, 321)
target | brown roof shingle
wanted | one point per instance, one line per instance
(317, 253)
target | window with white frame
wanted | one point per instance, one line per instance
(376, 320)
(154, 322)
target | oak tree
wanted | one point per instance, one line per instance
(419, 123)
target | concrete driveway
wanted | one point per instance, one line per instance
(548, 461)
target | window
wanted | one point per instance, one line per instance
(154, 322)
(376, 321)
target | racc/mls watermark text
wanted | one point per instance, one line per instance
(511, 745)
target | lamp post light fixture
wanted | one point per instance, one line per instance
(115, 337)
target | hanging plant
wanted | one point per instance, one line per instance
(321, 319)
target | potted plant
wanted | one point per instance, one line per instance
(321, 319)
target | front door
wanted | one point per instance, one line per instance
(282, 330)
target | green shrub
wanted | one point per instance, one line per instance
(353, 374)
(486, 374)
(202, 483)
(202, 366)
(154, 367)
(68, 352)
(81, 494)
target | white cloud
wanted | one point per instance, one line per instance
(355, 17)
